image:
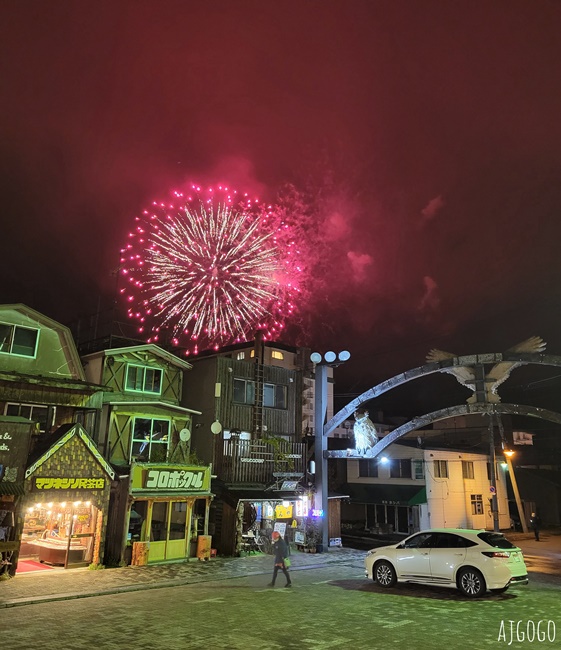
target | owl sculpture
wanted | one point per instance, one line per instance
(364, 432)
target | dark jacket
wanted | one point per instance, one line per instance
(281, 550)
(535, 522)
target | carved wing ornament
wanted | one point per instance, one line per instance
(498, 374)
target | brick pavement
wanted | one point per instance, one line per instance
(58, 584)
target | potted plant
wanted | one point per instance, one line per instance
(313, 537)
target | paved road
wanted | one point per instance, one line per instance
(331, 606)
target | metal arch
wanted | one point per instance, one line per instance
(462, 409)
(437, 366)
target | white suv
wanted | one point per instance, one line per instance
(471, 560)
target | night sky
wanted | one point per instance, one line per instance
(428, 132)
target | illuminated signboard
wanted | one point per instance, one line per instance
(283, 512)
(169, 478)
(302, 507)
(68, 483)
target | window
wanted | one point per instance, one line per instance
(15, 339)
(418, 469)
(35, 412)
(489, 470)
(277, 354)
(240, 356)
(274, 396)
(467, 469)
(159, 523)
(441, 469)
(476, 504)
(368, 467)
(150, 439)
(498, 540)
(244, 391)
(144, 380)
(422, 540)
(448, 540)
(400, 468)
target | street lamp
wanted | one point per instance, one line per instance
(329, 360)
(509, 453)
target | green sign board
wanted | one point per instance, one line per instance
(169, 479)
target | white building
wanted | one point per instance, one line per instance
(410, 488)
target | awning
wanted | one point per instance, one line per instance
(420, 497)
(234, 496)
(15, 489)
(391, 495)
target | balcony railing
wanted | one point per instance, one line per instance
(256, 461)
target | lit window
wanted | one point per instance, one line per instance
(150, 439)
(418, 469)
(467, 469)
(277, 354)
(144, 380)
(252, 354)
(240, 356)
(21, 341)
(476, 504)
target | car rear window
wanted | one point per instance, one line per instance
(497, 540)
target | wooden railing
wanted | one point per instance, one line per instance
(256, 461)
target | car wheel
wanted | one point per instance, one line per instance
(471, 582)
(384, 574)
(499, 591)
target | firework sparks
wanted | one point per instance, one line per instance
(209, 270)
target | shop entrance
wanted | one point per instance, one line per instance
(171, 527)
(57, 535)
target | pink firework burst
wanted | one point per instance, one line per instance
(209, 269)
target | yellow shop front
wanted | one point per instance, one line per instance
(168, 517)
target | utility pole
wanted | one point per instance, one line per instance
(493, 476)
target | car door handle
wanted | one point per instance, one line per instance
(425, 553)
(460, 554)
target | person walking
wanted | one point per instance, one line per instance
(536, 524)
(280, 550)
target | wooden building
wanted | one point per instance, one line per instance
(146, 432)
(251, 398)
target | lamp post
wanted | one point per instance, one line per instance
(508, 457)
(321, 503)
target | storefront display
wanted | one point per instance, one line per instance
(59, 533)
(65, 508)
(170, 508)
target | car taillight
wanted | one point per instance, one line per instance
(496, 554)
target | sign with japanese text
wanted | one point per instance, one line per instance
(68, 483)
(14, 447)
(283, 512)
(169, 478)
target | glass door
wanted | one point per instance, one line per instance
(176, 547)
(158, 531)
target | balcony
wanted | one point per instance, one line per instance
(255, 461)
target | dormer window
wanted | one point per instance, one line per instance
(142, 379)
(21, 341)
